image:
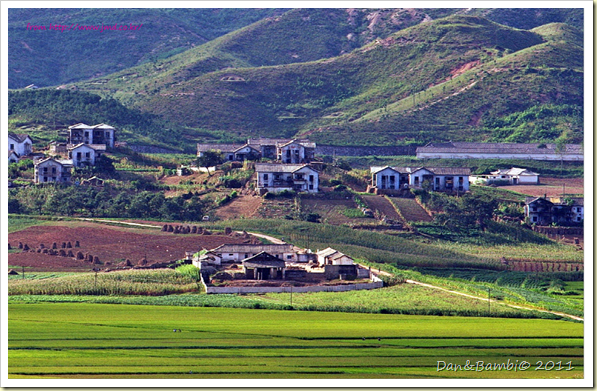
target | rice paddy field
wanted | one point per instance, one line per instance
(104, 341)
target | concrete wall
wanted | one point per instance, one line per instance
(296, 289)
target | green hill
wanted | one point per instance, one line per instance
(50, 58)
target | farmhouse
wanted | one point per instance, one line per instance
(52, 170)
(96, 134)
(276, 177)
(463, 150)
(19, 144)
(236, 253)
(559, 210)
(386, 179)
(512, 176)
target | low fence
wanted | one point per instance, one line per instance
(559, 230)
(376, 283)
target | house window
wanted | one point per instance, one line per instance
(265, 177)
(78, 155)
(310, 178)
(534, 219)
(12, 146)
(289, 257)
(88, 155)
(230, 255)
(53, 170)
(310, 187)
(246, 256)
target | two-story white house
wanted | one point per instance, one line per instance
(435, 178)
(277, 177)
(51, 170)
(96, 134)
(295, 152)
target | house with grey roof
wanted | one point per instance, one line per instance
(559, 210)
(277, 177)
(532, 151)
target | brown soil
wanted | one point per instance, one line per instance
(382, 205)
(108, 244)
(552, 187)
(331, 211)
(242, 206)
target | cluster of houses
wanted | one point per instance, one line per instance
(291, 168)
(559, 210)
(84, 145)
(279, 262)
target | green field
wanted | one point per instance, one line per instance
(123, 341)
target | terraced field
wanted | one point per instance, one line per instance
(410, 210)
(101, 341)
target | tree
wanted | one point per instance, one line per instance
(209, 159)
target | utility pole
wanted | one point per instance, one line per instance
(489, 299)
(291, 295)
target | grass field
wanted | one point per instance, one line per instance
(122, 341)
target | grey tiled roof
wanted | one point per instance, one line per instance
(279, 167)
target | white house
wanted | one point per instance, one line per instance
(52, 170)
(19, 143)
(514, 176)
(295, 152)
(84, 154)
(536, 151)
(96, 134)
(276, 177)
(329, 256)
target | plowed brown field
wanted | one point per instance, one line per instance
(552, 187)
(112, 244)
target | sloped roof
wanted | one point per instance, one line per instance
(219, 147)
(253, 248)
(518, 148)
(514, 171)
(280, 167)
(263, 259)
(19, 137)
(530, 200)
(326, 252)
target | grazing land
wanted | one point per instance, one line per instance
(103, 341)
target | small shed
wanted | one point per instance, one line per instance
(264, 266)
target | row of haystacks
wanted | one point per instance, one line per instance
(54, 246)
(185, 229)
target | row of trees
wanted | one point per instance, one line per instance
(105, 202)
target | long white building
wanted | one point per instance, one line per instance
(462, 150)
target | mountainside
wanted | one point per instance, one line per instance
(376, 77)
(447, 79)
(49, 57)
